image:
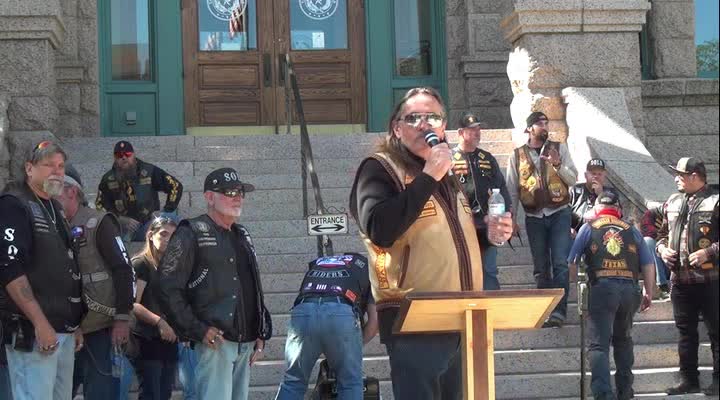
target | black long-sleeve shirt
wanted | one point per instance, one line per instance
(383, 212)
(114, 253)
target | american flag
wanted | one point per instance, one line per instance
(236, 20)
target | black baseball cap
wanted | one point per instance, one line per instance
(72, 176)
(469, 120)
(123, 145)
(225, 179)
(595, 163)
(609, 198)
(535, 117)
(688, 165)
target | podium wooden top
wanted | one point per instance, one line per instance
(445, 311)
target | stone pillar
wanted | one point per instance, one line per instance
(30, 30)
(477, 56)
(671, 39)
(4, 154)
(579, 43)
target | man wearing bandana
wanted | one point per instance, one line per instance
(688, 244)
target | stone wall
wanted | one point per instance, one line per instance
(671, 38)
(76, 71)
(4, 153)
(681, 119)
(477, 54)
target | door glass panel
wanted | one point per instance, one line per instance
(130, 40)
(413, 37)
(227, 25)
(318, 24)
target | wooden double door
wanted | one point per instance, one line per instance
(234, 61)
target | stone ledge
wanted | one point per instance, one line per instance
(485, 64)
(69, 73)
(681, 92)
(50, 27)
(556, 16)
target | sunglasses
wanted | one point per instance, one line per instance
(233, 193)
(123, 154)
(415, 119)
(42, 145)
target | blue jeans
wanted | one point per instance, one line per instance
(612, 303)
(323, 325)
(37, 376)
(187, 363)
(662, 274)
(223, 373)
(5, 388)
(426, 367)
(490, 269)
(550, 244)
(94, 367)
(126, 379)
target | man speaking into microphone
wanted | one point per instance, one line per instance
(418, 229)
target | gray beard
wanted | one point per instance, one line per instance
(52, 188)
(127, 174)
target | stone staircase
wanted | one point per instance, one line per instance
(530, 364)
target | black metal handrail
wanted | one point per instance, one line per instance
(307, 162)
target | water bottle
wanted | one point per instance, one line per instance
(117, 357)
(496, 208)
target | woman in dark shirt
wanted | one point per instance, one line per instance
(157, 360)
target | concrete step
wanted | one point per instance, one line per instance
(548, 386)
(644, 333)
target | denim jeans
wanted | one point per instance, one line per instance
(156, 379)
(689, 301)
(490, 269)
(5, 388)
(223, 373)
(330, 327)
(187, 363)
(94, 367)
(426, 367)
(37, 376)
(126, 379)
(550, 244)
(662, 273)
(612, 303)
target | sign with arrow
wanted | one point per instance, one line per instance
(327, 224)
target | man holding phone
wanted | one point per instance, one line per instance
(584, 194)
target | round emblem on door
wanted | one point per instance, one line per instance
(223, 9)
(318, 9)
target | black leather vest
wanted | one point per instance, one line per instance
(612, 251)
(703, 227)
(50, 268)
(141, 201)
(344, 276)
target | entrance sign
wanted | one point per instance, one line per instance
(327, 224)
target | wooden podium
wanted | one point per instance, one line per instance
(476, 315)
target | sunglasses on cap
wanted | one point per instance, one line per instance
(415, 119)
(232, 193)
(42, 145)
(123, 154)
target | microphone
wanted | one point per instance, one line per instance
(432, 139)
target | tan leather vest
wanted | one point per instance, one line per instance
(539, 189)
(438, 253)
(98, 290)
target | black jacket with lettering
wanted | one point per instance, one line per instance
(198, 283)
(344, 276)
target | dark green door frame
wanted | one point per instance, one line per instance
(384, 88)
(159, 102)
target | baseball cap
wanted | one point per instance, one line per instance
(688, 165)
(225, 179)
(535, 117)
(469, 120)
(609, 198)
(72, 176)
(595, 163)
(123, 145)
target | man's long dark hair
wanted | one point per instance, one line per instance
(391, 144)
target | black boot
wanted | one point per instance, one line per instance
(683, 388)
(712, 390)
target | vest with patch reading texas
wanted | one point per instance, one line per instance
(612, 251)
(439, 252)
